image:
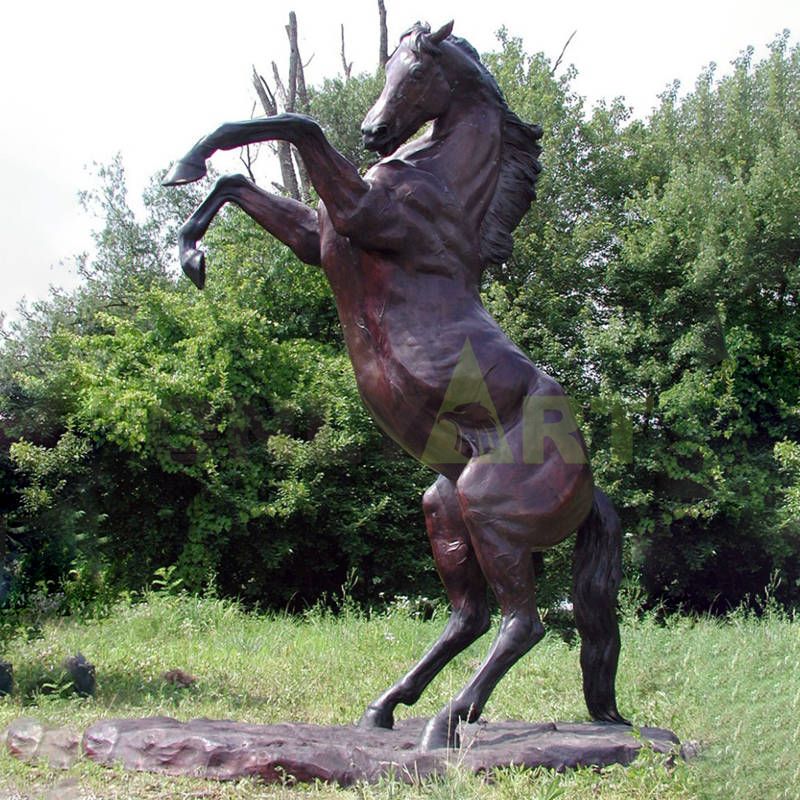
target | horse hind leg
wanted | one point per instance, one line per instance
(596, 577)
(505, 560)
(466, 590)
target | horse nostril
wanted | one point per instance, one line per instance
(375, 131)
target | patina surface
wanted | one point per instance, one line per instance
(404, 248)
(224, 750)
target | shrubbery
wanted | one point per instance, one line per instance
(146, 425)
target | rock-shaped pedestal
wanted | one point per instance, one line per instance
(346, 754)
(30, 740)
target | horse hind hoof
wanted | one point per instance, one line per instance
(194, 265)
(184, 171)
(439, 734)
(612, 717)
(376, 717)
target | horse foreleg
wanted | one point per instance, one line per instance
(466, 590)
(357, 209)
(292, 222)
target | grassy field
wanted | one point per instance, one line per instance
(732, 686)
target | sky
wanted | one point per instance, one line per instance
(84, 80)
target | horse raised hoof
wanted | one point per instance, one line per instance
(438, 733)
(193, 263)
(186, 170)
(377, 717)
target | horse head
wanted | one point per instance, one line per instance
(417, 89)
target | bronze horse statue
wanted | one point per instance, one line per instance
(404, 248)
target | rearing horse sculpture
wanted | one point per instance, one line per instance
(403, 248)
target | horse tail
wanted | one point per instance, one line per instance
(597, 572)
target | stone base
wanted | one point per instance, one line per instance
(345, 754)
(226, 750)
(29, 740)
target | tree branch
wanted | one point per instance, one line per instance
(248, 157)
(345, 66)
(280, 89)
(264, 94)
(563, 50)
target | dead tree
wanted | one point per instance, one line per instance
(345, 66)
(383, 53)
(297, 98)
(297, 78)
(291, 97)
(282, 149)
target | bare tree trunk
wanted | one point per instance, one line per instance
(282, 149)
(297, 99)
(383, 54)
(345, 66)
(290, 97)
(294, 57)
(302, 172)
(302, 92)
(280, 89)
(297, 79)
(287, 170)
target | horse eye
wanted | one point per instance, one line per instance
(416, 72)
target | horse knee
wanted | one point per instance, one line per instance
(231, 180)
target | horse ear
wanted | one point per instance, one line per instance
(437, 37)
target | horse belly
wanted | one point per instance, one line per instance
(404, 404)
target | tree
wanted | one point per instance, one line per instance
(704, 294)
(150, 425)
(293, 97)
(657, 278)
(657, 274)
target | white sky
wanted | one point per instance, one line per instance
(84, 79)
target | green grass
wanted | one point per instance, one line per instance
(732, 685)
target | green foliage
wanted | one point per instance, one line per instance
(703, 295)
(340, 106)
(659, 274)
(220, 435)
(787, 455)
(219, 432)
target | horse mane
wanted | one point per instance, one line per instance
(515, 190)
(519, 160)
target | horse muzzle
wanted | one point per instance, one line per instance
(377, 137)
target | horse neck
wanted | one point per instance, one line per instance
(470, 139)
